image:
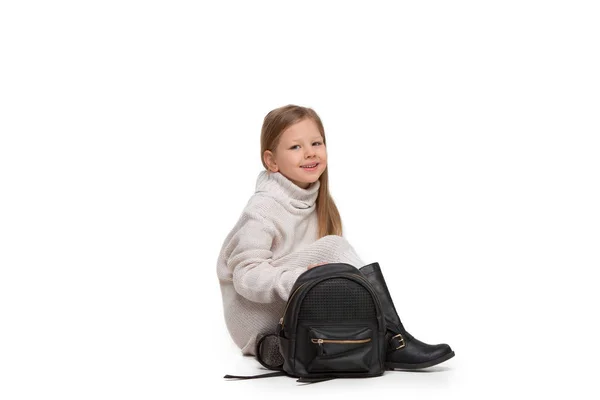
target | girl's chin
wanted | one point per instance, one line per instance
(305, 182)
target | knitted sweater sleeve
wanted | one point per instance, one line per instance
(255, 274)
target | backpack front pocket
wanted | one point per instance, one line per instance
(341, 348)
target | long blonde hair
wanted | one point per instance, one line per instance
(274, 124)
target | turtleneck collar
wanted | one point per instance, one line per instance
(278, 186)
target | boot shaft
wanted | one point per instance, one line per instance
(373, 274)
(404, 351)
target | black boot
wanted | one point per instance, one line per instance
(404, 350)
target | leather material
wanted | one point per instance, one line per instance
(373, 274)
(333, 326)
(403, 351)
(415, 351)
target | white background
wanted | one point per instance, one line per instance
(463, 156)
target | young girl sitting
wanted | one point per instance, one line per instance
(289, 225)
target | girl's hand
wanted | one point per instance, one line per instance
(315, 265)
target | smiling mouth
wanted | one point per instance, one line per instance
(315, 165)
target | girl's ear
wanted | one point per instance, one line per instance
(270, 161)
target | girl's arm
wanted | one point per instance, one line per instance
(255, 274)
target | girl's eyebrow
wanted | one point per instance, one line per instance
(315, 138)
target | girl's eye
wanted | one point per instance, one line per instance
(299, 145)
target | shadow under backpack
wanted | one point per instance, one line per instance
(332, 327)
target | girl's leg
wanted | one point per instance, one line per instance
(404, 350)
(328, 249)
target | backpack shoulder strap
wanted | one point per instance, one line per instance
(267, 354)
(315, 380)
(267, 375)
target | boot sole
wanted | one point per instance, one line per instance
(445, 357)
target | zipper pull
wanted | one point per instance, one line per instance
(321, 348)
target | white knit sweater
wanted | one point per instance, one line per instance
(273, 242)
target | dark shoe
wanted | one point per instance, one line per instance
(404, 350)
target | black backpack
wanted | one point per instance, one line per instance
(332, 327)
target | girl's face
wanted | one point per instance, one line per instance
(301, 144)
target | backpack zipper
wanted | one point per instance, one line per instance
(288, 303)
(321, 341)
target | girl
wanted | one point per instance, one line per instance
(289, 225)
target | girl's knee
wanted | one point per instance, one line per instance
(334, 240)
